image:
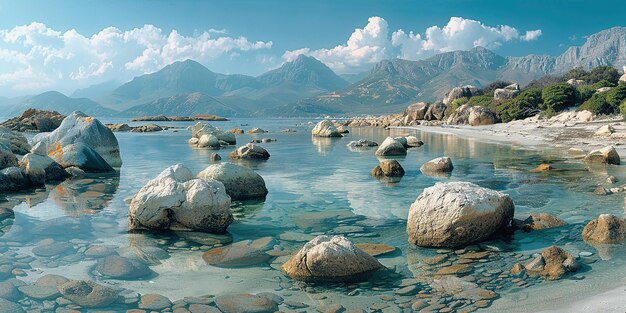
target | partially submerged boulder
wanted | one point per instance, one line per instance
(388, 168)
(606, 229)
(327, 258)
(250, 152)
(325, 128)
(206, 130)
(241, 183)
(412, 141)
(82, 156)
(80, 129)
(361, 143)
(40, 169)
(208, 141)
(456, 214)
(391, 147)
(438, 166)
(538, 221)
(552, 263)
(606, 155)
(33, 120)
(175, 200)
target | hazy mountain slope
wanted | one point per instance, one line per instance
(185, 105)
(56, 101)
(96, 91)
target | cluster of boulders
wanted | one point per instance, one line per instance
(472, 115)
(33, 120)
(163, 118)
(326, 128)
(80, 144)
(397, 146)
(250, 151)
(207, 136)
(147, 128)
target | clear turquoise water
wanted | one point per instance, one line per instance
(310, 175)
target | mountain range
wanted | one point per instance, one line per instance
(306, 86)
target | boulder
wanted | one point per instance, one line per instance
(538, 221)
(542, 168)
(200, 129)
(13, 179)
(148, 128)
(459, 92)
(606, 229)
(175, 200)
(257, 131)
(552, 263)
(241, 183)
(208, 141)
(88, 294)
(15, 141)
(245, 303)
(325, 128)
(240, 254)
(472, 115)
(78, 128)
(40, 169)
(606, 130)
(33, 120)
(250, 152)
(412, 141)
(437, 166)
(118, 267)
(389, 168)
(391, 147)
(361, 143)
(436, 112)
(7, 157)
(327, 258)
(576, 82)
(39, 149)
(237, 131)
(415, 112)
(342, 130)
(119, 127)
(82, 156)
(456, 214)
(507, 93)
(606, 155)
(215, 157)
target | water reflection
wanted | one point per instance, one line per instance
(325, 145)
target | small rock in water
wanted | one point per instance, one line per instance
(375, 249)
(122, 268)
(154, 302)
(245, 303)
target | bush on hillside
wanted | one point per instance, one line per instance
(597, 104)
(616, 95)
(458, 102)
(622, 109)
(558, 97)
(484, 101)
(525, 105)
(600, 73)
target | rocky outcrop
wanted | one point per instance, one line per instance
(327, 258)
(388, 168)
(14, 141)
(507, 93)
(241, 183)
(250, 152)
(325, 128)
(415, 112)
(456, 214)
(459, 92)
(606, 155)
(163, 118)
(33, 120)
(205, 130)
(7, 157)
(437, 166)
(147, 128)
(606, 229)
(436, 111)
(472, 115)
(391, 147)
(175, 200)
(552, 264)
(82, 130)
(538, 221)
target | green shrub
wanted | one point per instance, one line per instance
(585, 92)
(616, 95)
(526, 104)
(603, 83)
(484, 100)
(558, 97)
(597, 104)
(600, 73)
(622, 109)
(459, 102)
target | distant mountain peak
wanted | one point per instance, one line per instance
(304, 70)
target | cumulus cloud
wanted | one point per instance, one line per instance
(35, 56)
(374, 42)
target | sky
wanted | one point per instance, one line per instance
(65, 45)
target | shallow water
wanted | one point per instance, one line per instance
(316, 186)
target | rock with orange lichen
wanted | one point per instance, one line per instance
(87, 133)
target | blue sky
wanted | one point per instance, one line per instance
(57, 49)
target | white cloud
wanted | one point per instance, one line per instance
(35, 56)
(374, 42)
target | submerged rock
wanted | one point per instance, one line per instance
(538, 221)
(389, 168)
(391, 147)
(437, 166)
(552, 263)
(327, 258)
(240, 254)
(241, 183)
(78, 128)
(606, 155)
(456, 214)
(250, 152)
(88, 294)
(325, 128)
(361, 143)
(175, 200)
(245, 303)
(115, 266)
(606, 229)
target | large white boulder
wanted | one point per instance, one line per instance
(325, 128)
(456, 214)
(606, 155)
(327, 258)
(390, 147)
(200, 129)
(79, 128)
(241, 182)
(208, 141)
(175, 200)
